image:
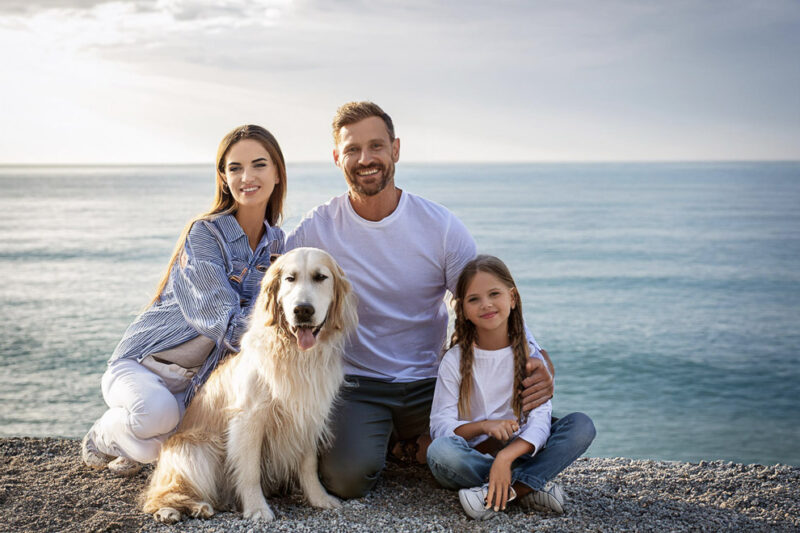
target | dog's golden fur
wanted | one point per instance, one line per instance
(269, 405)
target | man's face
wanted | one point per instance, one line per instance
(367, 156)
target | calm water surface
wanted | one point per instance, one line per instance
(667, 294)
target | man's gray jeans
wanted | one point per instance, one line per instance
(367, 415)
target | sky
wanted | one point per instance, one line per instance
(161, 81)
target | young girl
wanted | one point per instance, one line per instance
(200, 309)
(477, 423)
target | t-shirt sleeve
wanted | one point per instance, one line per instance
(534, 346)
(536, 429)
(444, 410)
(295, 239)
(460, 249)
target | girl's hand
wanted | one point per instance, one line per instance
(499, 484)
(502, 430)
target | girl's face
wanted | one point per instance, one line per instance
(250, 174)
(488, 302)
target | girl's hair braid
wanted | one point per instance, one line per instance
(464, 335)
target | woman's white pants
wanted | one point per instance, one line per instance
(142, 412)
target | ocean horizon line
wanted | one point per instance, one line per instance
(13, 165)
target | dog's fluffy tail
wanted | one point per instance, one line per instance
(188, 477)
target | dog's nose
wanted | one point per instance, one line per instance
(303, 312)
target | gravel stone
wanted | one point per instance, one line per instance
(45, 487)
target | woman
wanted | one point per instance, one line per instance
(200, 308)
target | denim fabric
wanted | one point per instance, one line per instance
(456, 465)
(210, 292)
(365, 418)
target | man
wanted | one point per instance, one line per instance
(401, 253)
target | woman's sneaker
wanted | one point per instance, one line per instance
(474, 502)
(550, 499)
(122, 466)
(92, 457)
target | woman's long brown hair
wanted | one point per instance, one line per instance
(224, 203)
(465, 333)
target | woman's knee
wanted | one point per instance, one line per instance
(157, 414)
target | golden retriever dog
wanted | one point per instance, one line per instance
(259, 421)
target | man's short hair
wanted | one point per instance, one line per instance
(353, 112)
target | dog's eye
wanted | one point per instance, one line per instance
(289, 279)
(320, 277)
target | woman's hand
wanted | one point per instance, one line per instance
(502, 430)
(499, 483)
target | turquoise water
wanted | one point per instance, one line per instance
(667, 294)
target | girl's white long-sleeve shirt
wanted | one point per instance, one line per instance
(493, 387)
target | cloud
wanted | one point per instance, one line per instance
(17, 7)
(96, 23)
(506, 79)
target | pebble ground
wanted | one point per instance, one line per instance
(45, 487)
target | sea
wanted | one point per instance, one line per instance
(667, 294)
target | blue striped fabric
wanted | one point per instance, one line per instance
(210, 292)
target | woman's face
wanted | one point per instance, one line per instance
(250, 173)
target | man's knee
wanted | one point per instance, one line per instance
(349, 479)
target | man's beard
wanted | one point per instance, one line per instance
(387, 175)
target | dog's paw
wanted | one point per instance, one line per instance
(262, 513)
(167, 515)
(325, 501)
(202, 510)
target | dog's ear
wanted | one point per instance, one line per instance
(343, 314)
(269, 295)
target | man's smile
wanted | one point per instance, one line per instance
(368, 171)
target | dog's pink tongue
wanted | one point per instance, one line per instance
(305, 338)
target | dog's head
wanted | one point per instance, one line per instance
(306, 293)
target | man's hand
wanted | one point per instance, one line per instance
(538, 386)
(502, 430)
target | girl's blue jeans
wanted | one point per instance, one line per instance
(456, 465)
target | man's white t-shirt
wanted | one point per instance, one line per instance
(399, 267)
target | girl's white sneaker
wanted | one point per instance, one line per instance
(474, 502)
(550, 499)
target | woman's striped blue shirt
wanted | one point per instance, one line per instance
(210, 292)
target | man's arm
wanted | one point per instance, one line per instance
(548, 361)
(538, 386)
